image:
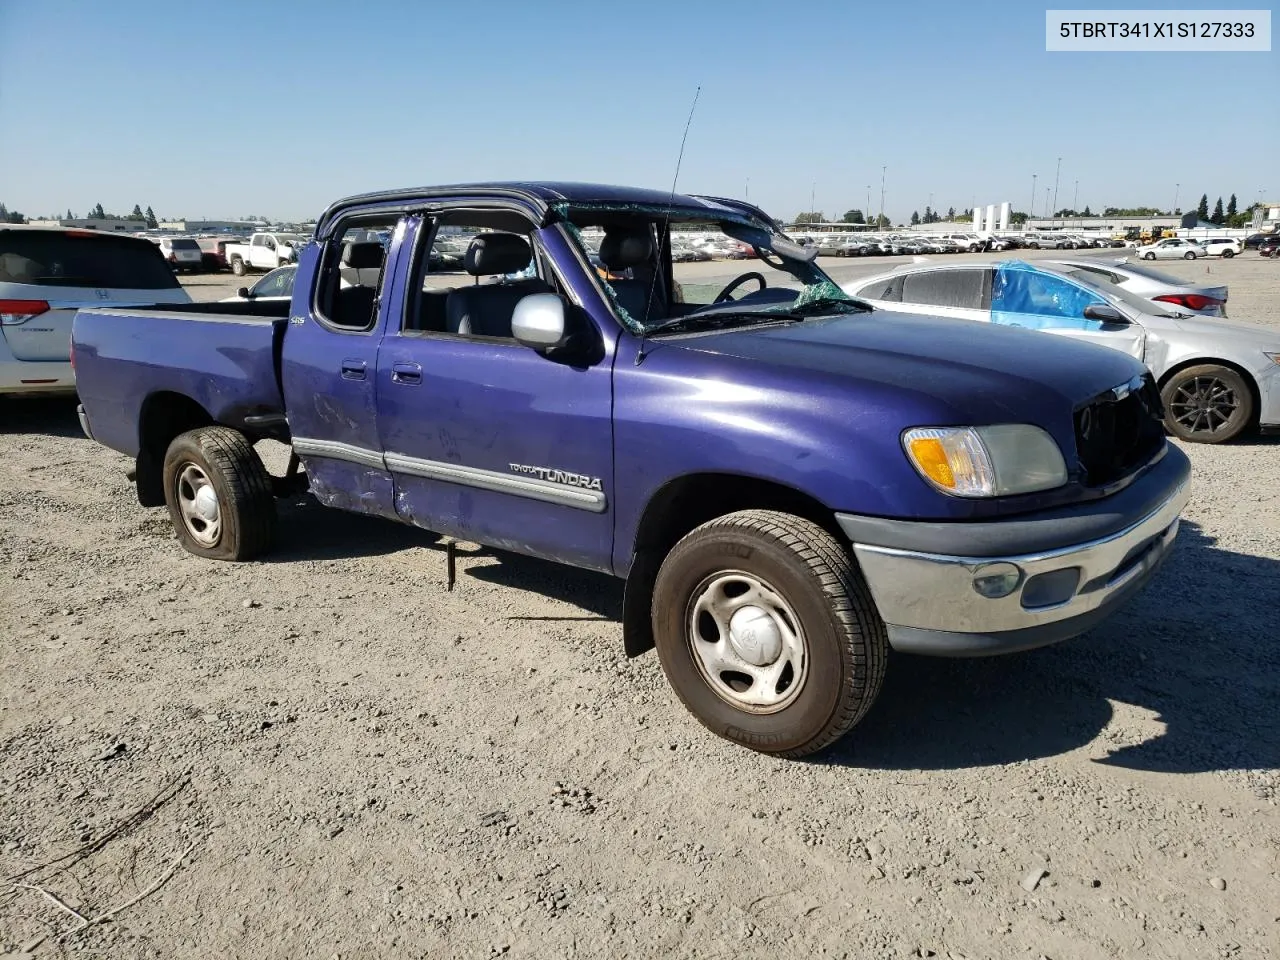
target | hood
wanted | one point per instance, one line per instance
(967, 372)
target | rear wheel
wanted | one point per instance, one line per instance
(767, 632)
(1148, 255)
(1228, 254)
(219, 494)
(1207, 403)
(1189, 255)
(237, 266)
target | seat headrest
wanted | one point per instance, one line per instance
(623, 248)
(365, 255)
(494, 253)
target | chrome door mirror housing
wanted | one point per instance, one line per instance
(539, 322)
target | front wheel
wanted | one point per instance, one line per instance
(1189, 255)
(219, 494)
(1228, 254)
(1207, 403)
(1148, 256)
(768, 633)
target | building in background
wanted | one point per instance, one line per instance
(209, 226)
(106, 224)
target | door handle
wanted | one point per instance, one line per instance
(410, 373)
(353, 369)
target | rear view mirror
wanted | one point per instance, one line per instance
(539, 321)
(1105, 313)
(243, 293)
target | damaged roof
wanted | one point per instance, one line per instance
(542, 195)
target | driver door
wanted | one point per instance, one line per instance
(1024, 297)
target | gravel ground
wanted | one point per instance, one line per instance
(352, 762)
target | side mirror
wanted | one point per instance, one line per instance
(1104, 312)
(243, 293)
(539, 322)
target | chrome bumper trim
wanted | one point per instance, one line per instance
(933, 592)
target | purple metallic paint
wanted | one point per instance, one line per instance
(818, 406)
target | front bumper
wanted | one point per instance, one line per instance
(931, 604)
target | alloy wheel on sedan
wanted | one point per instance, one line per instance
(1207, 404)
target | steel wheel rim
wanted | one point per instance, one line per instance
(1204, 404)
(198, 504)
(721, 645)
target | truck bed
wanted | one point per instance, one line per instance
(224, 356)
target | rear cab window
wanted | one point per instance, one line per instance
(54, 258)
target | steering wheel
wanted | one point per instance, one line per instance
(724, 294)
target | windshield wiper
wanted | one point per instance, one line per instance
(828, 305)
(720, 318)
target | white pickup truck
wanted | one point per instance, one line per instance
(264, 251)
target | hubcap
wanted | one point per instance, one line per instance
(1203, 404)
(198, 504)
(747, 642)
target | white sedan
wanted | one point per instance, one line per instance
(1172, 248)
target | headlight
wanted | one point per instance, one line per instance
(1273, 357)
(994, 461)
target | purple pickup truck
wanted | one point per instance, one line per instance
(790, 482)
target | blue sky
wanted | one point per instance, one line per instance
(248, 106)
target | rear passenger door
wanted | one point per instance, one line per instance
(962, 293)
(329, 364)
(486, 439)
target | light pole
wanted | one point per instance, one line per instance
(812, 190)
(868, 213)
(1055, 186)
(1032, 211)
(1047, 207)
(1177, 189)
(748, 189)
(1075, 199)
(883, 170)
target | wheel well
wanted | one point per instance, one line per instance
(679, 507)
(1248, 378)
(164, 415)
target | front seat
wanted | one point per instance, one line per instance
(631, 248)
(360, 269)
(485, 310)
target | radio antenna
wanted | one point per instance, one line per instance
(666, 222)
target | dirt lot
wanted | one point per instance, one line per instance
(351, 762)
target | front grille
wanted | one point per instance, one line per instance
(1119, 431)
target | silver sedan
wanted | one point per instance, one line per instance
(1218, 378)
(1163, 290)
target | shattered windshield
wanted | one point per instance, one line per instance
(673, 269)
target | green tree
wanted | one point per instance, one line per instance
(880, 222)
(1202, 211)
(1218, 216)
(70, 215)
(1086, 211)
(853, 216)
(812, 216)
(137, 213)
(152, 223)
(915, 218)
(951, 213)
(1017, 218)
(1231, 207)
(97, 213)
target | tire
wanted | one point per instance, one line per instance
(1148, 256)
(812, 590)
(1189, 255)
(237, 267)
(1187, 420)
(238, 521)
(1228, 254)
